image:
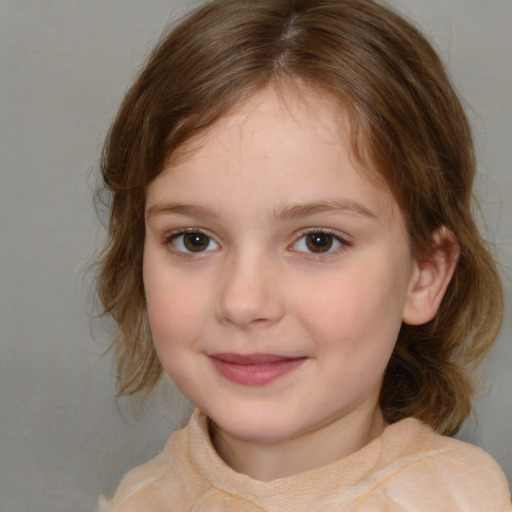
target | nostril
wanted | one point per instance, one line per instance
(245, 322)
(247, 296)
(249, 314)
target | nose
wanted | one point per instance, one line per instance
(249, 294)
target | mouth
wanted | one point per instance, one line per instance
(254, 369)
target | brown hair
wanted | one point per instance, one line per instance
(407, 124)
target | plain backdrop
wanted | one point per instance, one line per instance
(65, 65)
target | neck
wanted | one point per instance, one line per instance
(320, 447)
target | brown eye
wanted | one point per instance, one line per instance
(319, 242)
(192, 242)
(195, 242)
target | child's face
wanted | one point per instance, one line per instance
(266, 242)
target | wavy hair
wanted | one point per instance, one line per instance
(407, 124)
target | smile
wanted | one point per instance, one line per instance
(254, 369)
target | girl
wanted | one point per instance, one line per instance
(291, 241)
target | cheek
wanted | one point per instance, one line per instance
(358, 313)
(168, 318)
(175, 322)
(175, 308)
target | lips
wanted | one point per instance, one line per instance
(254, 369)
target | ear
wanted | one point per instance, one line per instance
(431, 277)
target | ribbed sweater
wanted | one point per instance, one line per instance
(409, 468)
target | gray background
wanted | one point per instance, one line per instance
(65, 65)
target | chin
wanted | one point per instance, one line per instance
(256, 426)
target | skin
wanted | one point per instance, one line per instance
(256, 287)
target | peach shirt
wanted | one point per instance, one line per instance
(409, 468)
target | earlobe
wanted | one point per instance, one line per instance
(431, 277)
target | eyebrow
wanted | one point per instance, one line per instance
(178, 209)
(290, 212)
(280, 213)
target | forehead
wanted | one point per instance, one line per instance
(299, 142)
(284, 99)
(313, 107)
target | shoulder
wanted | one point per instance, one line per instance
(444, 472)
(135, 484)
(159, 480)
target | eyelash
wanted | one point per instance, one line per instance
(336, 238)
(171, 238)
